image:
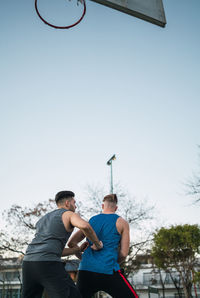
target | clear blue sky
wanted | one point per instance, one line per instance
(113, 84)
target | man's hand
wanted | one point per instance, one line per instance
(84, 246)
(95, 247)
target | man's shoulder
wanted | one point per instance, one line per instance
(120, 218)
(55, 213)
(46, 217)
(48, 214)
(104, 217)
(121, 221)
(95, 216)
(52, 212)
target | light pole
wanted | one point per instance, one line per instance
(109, 163)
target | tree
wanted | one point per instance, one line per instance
(175, 277)
(193, 186)
(196, 278)
(20, 226)
(177, 248)
(136, 213)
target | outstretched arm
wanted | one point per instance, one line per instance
(76, 238)
(76, 250)
(86, 230)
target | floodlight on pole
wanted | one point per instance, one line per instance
(109, 163)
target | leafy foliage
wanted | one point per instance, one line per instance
(197, 278)
(177, 247)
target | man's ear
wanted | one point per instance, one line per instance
(67, 203)
(102, 206)
(116, 208)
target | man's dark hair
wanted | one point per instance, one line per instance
(112, 198)
(64, 194)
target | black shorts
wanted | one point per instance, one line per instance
(50, 276)
(114, 284)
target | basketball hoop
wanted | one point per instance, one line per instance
(62, 27)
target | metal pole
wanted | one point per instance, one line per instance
(111, 178)
(109, 163)
(149, 295)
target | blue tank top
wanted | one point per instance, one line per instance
(50, 238)
(104, 260)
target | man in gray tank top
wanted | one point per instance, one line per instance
(42, 267)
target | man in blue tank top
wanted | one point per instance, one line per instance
(100, 270)
(42, 267)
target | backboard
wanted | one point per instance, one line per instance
(149, 10)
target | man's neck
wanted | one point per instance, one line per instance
(62, 207)
(108, 212)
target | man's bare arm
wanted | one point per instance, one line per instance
(70, 251)
(76, 250)
(76, 238)
(86, 229)
(123, 229)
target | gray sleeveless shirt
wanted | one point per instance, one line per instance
(50, 238)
